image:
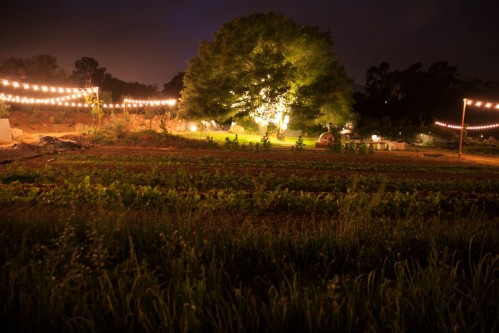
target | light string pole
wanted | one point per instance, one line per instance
(460, 154)
(478, 104)
(98, 105)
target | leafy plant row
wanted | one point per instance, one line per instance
(217, 179)
(378, 204)
(299, 161)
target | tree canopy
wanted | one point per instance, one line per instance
(417, 96)
(37, 68)
(271, 68)
(88, 72)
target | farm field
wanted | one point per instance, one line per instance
(168, 240)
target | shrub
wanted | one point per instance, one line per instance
(265, 141)
(4, 110)
(299, 145)
(232, 144)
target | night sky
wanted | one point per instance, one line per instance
(149, 41)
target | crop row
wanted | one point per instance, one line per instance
(377, 204)
(202, 180)
(267, 161)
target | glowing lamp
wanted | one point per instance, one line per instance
(194, 128)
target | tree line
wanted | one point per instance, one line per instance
(415, 96)
(266, 68)
(87, 72)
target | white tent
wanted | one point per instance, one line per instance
(5, 131)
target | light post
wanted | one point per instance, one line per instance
(98, 104)
(460, 154)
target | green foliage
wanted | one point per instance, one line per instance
(96, 104)
(232, 144)
(299, 145)
(265, 142)
(100, 137)
(118, 125)
(38, 68)
(335, 147)
(34, 113)
(150, 246)
(349, 148)
(415, 96)
(4, 110)
(211, 142)
(362, 148)
(59, 117)
(88, 72)
(162, 126)
(261, 60)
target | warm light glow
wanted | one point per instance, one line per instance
(469, 128)
(276, 113)
(481, 104)
(36, 87)
(150, 102)
(113, 106)
(71, 94)
(33, 100)
(194, 128)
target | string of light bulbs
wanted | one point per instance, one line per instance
(473, 103)
(469, 128)
(479, 104)
(36, 100)
(149, 102)
(46, 89)
(73, 93)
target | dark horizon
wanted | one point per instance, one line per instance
(150, 42)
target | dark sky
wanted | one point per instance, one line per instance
(149, 41)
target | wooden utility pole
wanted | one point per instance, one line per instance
(98, 105)
(462, 130)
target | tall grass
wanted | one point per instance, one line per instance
(151, 270)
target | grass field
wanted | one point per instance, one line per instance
(182, 240)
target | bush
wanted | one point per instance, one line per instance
(299, 145)
(4, 110)
(265, 141)
(100, 137)
(118, 125)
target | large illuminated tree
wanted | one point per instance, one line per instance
(271, 68)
